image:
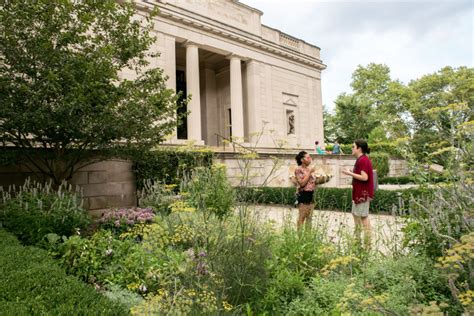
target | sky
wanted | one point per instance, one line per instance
(413, 38)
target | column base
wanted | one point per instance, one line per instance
(184, 142)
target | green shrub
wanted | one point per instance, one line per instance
(157, 196)
(31, 283)
(438, 220)
(166, 165)
(396, 180)
(236, 248)
(339, 199)
(208, 190)
(319, 298)
(429, 178)
(35, 210)
(103, 258)
(297, 257)
(391, 149)
(392, 285)
(380, 163)
(122, 296)
(284, 286)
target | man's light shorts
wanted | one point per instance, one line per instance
(361, 209)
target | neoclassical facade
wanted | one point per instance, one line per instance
(243, 77)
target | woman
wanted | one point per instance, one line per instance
(319, 150)
(306, 184)
(362, 188)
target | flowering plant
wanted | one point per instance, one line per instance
(122, 219)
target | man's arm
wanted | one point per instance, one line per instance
(361, 177)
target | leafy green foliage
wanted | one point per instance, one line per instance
(61, 88)
(103, 258)
(457, 265)
(35, 210)
(32, 283)
(385, 201)
(433, 113)
(380, 163)
(320, 297)
(438, 222)
(353, 119)
(166, 165)
(297, 257)
(208, 190)
(442, 105)
(392, 285)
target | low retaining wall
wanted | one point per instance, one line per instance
(112, 183)
(105, 184)
(275, 169)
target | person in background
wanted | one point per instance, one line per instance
(362, 189)
(336, 150)
(305, 187)
(319, 150)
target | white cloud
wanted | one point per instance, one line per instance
(413, 38)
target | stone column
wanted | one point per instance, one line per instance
(236, 103)
(192, 86)
(253, 100)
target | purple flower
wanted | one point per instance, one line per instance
(201, 268)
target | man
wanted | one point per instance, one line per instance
(362, 188)
(336, 150)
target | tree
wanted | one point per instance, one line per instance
(442, 111)
(329, 128)
(354, 118)
(60, 87)
(387, 98)
(371, 83)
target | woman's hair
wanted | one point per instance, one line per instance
(300, 157)
(362, 144)
(316, 142)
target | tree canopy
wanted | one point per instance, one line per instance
(432, 112)
(61, 86)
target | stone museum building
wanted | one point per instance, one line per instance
(244, 77)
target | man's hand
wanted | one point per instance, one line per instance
(347, 172)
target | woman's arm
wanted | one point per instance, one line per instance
(304, 181)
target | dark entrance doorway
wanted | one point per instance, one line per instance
(181, 87)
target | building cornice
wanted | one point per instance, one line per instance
(207, 24)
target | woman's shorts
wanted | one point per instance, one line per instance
(305, 197)
(361, 209)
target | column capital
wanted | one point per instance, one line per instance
(188, 43)
(235, 56)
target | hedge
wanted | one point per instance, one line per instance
(390, 149)
(31, 283)
(396, 180)
(339, 199)
(168, 165)
(380, 163)
(413, 179)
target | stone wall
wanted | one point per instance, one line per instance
(275, 169)
(105, 184)
(112, 183)
(397, 167)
